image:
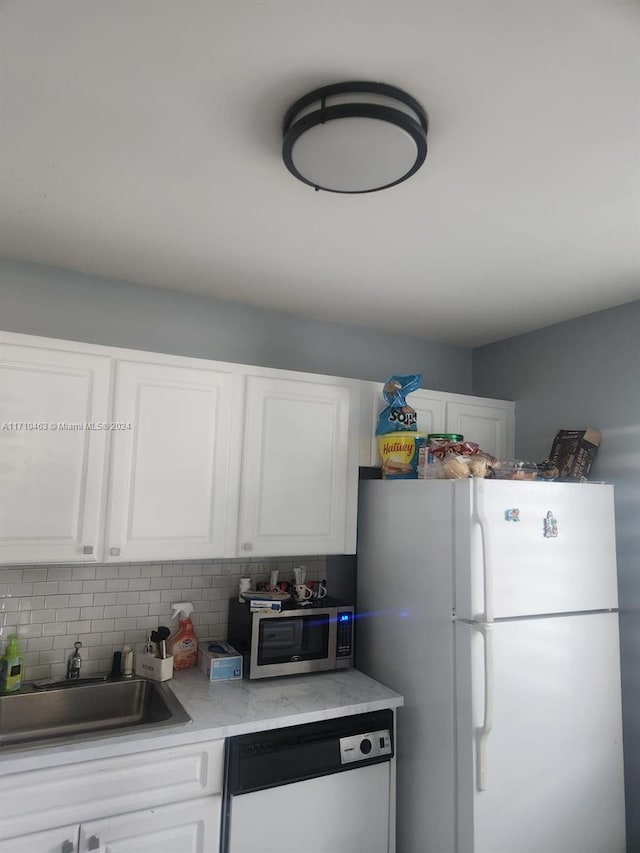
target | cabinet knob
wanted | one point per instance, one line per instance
(248, 546)
(93, 843)
(115, 552)
(88, 549)
(67, 847)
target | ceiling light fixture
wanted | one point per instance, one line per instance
(355, 137)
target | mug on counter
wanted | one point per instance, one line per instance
(303, 593)
(320, 590)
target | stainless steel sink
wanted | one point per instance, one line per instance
(68, 710)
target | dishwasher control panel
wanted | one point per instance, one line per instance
(361, 747)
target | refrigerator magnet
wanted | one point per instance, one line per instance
(550, 524)
(512, 515)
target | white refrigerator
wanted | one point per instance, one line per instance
(492, 607)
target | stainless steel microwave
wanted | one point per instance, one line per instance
(292, 642)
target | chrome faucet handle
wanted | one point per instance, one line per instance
(75, 661)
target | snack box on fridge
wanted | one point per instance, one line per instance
(219, 661)
(573, 452)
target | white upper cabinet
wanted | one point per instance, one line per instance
(430, 411)
(299, 480)
(489, 423)
(118, 455)
(173, 474)
(54, 404)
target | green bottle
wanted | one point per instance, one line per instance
(11, 667)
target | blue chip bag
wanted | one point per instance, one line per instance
(397, 416)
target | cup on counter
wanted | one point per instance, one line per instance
(300, 574)
(273, 580)
(303, 593)
(320, 590)
(243, 586)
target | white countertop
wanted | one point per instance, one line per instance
(223, 709)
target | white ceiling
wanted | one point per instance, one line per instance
(141, 141)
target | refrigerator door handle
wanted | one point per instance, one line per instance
(487, 571)
(483, 731)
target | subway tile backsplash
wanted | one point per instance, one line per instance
(106, 606)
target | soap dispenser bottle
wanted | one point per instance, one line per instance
(183, 645)
(11, 667)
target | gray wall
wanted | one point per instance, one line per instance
(41, 300)
(585, 373)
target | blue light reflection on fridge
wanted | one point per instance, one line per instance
(403, 614)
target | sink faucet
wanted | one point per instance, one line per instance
(74, 662)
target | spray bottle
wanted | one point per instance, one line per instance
(183, 645)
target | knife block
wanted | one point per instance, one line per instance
(157, 669)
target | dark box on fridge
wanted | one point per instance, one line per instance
(573, 452)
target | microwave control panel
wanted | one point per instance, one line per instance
(344, 638)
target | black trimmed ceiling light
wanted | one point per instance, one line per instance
(355, 137)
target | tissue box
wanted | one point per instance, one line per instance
(219, 661)
(157, 669)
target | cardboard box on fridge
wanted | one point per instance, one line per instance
(573, 452)
(219, 661)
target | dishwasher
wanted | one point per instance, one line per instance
(321, 787)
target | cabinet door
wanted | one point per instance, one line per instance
(87, 790)
(298, 492)
(430, 411)
(490, 425)
(430, 417)
(189, 827)
(53, 444)
(61, 840)
(171, 487)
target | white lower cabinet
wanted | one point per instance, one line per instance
(191, 827)
(61, 840)
(154, 802)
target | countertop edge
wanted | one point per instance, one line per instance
(220, 711)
